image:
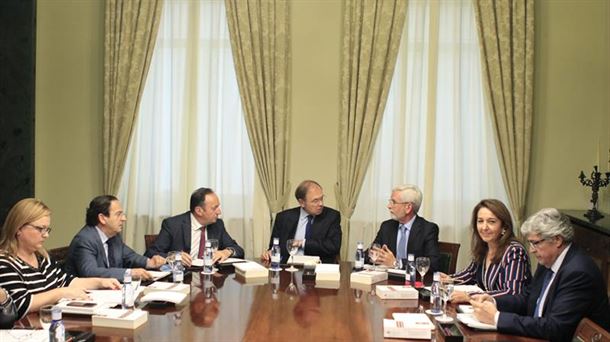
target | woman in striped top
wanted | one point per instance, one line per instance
(500, 263)
(26, 271)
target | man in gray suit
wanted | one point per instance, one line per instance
(98, 250)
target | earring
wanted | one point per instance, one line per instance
(503, 231)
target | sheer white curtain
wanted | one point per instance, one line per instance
(190, 129)
(435, 133)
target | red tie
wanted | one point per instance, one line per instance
(201, 244)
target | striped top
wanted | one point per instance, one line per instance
(22, 280)
(510, 276)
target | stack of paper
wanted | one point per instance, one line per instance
(82, 307)
(251, 269)
(112, 297)
(368, 277)
(325, 272)
(165, 286)
(119, 318)
(408, 325)
(396, 292)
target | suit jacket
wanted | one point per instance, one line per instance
(175, 235)
(577, 291)
(423, 239)
(325, 240)
(87, 258)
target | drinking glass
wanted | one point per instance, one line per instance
(214, 245)
(423, 265)
(45, 314)
(292, 247)
(135, 282)
(373, 254)
(446, 291)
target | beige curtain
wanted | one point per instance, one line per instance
(371, 38)
(130, 33)
(260, 42)
(506, 36)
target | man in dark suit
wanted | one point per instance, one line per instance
(98, 250)
(184, 232)
(407, 233)
(315, 228)
(567, 286)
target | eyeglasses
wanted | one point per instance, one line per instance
(392, 202)
(534, 244)
(41, 230)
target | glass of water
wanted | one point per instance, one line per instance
(292, 247)
(45, 316)
(446, 292)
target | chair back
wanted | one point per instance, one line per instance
(149, 239)
(59, 254)
(449, 254)
(589, 331)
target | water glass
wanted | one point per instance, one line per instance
(423, 265)
(45, 316)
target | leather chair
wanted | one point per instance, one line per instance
(589, 331)
(149, 239)
(59, 255)
(449, 254)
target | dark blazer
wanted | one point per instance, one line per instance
(423, 239)
(325, 240)
(87, 258)
(175, 235)
(577, 291)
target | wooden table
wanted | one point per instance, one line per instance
(226, 309)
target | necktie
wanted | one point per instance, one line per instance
(401, 250)
(201, 243)
(545, 284)
(110, 255)
(308, 230)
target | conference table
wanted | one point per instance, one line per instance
(227, 307)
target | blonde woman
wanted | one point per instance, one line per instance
(26, 271)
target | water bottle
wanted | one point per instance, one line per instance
(127, 299)
(435, 295)
(208, 256)
(359, 264)
(57, 331)
(411, 269)
(178, 269)
(276, 254)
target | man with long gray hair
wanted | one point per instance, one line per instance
(567, 286)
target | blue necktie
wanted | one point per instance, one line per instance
(308, 230)
(545, 284)
(401, 251)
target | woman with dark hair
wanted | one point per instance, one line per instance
(31, 278)
(500, 263)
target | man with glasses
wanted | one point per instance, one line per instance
(315, 228)
(188, 231)
(567, 286)
(406, 233)
(98, 249)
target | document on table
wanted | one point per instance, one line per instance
(159, 274)
(30, 335)
(110, 296)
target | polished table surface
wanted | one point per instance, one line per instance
(224, 308)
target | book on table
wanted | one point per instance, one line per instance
(408, 325)
(327, 272)
(304, 259)
(368, 277)
(251, 269)
(119, 318)
(396, 292)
